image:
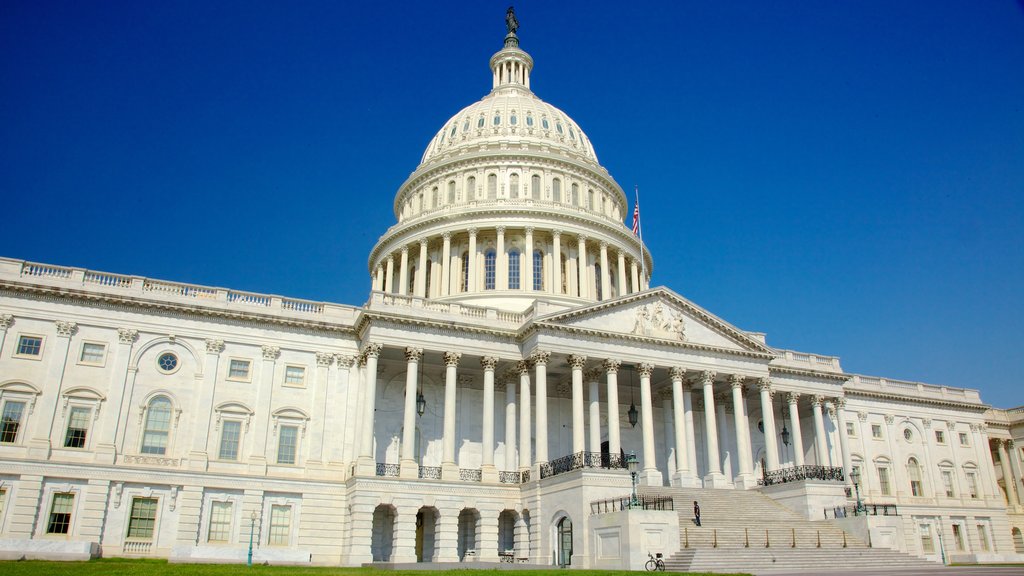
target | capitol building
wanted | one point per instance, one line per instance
(509, 382)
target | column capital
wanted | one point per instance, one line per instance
(611, 366)
(1008, 442)
(950, 424)
(451, 359)
(665, 393)
(736, 380)
(603, 245)
(405, 250)
(677, 373)
(65, 329)
(556, 234)
(764, 384)
(817, 400)
(721, 398)
(889, 419)
(413, 354)
(472, 232)
(372, 349)
(6, 320)
(130, 335)
(529, 231)
(927, 423)
(593, 375)
(839, 402)
(792, 397)
(500, 230)
(522, 367)
(270, 352)
(391, 258)
(706, 377)
(645, 369)
(862, 416)
(344, 360)
(446, 236)
(540, 357)
(324, 359)
(423, 242)
(577, 361)
(488, 363)
(582, 238)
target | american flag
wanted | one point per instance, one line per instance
(636, 218)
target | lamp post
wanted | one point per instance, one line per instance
(855, 476)
(252, 529)
(631, 465)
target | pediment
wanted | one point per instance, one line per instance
(658, 314)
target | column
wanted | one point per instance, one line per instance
(677, 374)
(525, 425)
(605, 280)
(318, 420)
(501, 261)
(404, 549)
(527, 275)
(899, 483)
(844, 441)
(378, 279)
(421, 271)
(5, 322)
(487, 469)
(446, 264)
(650, 475)
(744, 453)
(578, 440)
(389, 279)
(819, 430)
(449, 469)
(611, 368)
(986, 467)
(771, 446)
(344, 424)
(721, 400)
(117, 402)
(692, 479)
(471, 254)
(581, 259)
(634, 273)
(409, 466)
(258, 452)
(793, 400)
(623, 288)
(556, 262)
(540, 362)
(367, 464)
(671, 454)
(594, 418)
(1015, 468)
(46, 409)
(1008, 480)
(510, 424)
(403, 274)
(714, 478)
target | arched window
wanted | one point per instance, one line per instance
(451, 192)
(411, 287)
(436, 197)
(538, 270)
(470, 194)
(419, 203)
(490, 260)
(914, 473)
(465, 273)
(597, 282)
(556, 190)
(590, 199)
(535, 187)
(575, 200)
(157, 427)
(492, 186)
(513, 270)
(513, 186)
(426, 284)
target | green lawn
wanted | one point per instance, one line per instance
(116, 567)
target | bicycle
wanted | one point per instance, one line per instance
(655, 563)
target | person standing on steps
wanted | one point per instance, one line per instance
(696, 513)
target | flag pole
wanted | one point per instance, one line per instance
(640, 238)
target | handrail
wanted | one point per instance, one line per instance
(865, 510)
(627, 502)
(582, 460)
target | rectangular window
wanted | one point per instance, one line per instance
(280, 525)
(883, 481)
(78, 427)
(983, 537)
(972, 484)
(513, 271)
(239, 369)
(10, 422)
(60, 513)
(851, 430)
(927, 544)
(940, 436)
(142, 519)
(230, 435)
(287, 440)
(294, 376)
(29, 346)
(958, 537)
(538, 270)
(947, 482)
(964, 439)
(876, 431)
(93, 353)
(220, 522)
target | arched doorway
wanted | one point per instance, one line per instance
(563, 535)
(507, 535)
(427, 519)
(469, 532)
(383, 538)
(1018, 541)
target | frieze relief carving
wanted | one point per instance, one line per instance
(652, 320)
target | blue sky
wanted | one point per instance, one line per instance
(845, 176)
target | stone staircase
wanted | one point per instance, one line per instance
(746, 531)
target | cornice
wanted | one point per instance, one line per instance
(856, 392)
(808, 373)
(366, 317)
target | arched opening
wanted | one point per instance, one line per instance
(492, 186)
(556, 190)
(451, 192)
(470, 188)
(513, 270)
(507, 521)
(464, 286)
(513, 186)
(383, 539)
(156, 431)
(575, 200)
(490, 262)
(563, 538)
(535, 187)
(469, 534)
(538, 270)
(598, 288)
(1018, 541)
(427, 520)
(914, 473)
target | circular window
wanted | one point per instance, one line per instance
(908, 434)
(167, 362)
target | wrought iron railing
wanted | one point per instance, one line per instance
(627, 502)
(797, 473)
(509, 477)
(526, 476)
(581, 460)
(470, 475)
(865, 510)
(388, 469)
(430, 472)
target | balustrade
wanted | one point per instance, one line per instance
(865, 510)
(582, 460)
(797, 473)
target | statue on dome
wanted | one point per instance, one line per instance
(510, 20)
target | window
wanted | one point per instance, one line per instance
(10, 422)
(513, 270)
(451, 192)
(597, 282)
(239, 369)
(883, 481)
(940, 436)
(465, 272)
(529, 119)
(30, 346)
(78, 427)
(435, 198)
(157, 426)
(287, 440)
(590, 199)
(490, 259)
(538, 270)
(497, 119)
(294, 376)
(470, 189)
(958, 537)
(60, 513)
(876, 431)
(947, 482)
(556, 190)
(963, 439)
(167, 362)
(972, 484)
(914, 472)
(142, 518)
(93, 353)
(220, 522)
(908, 434)
(927, 543)
(480, 122)
(513, 186)
(513, 119)
(230, 437)
(280, 525)
(544, 123)
(983, 537)
(851, 430)
(575, 200)
(492, 186)
(535, 187)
